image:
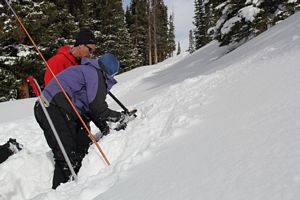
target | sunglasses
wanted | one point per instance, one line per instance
(91, 50)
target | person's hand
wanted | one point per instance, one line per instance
(105, 130)
(98, 136)
(122, 124)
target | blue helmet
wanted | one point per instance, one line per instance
(109, 63)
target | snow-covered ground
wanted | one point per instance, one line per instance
(210, 126)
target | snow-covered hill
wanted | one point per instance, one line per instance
(210, 125)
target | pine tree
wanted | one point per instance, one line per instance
(93, 12)
(201, 21)
(273, 11)
(75, 9)
(232, 27)
(191, 42)
(154, 26)
(8, 83)
(160, 30)
(114, 36)
(137, 23)
(211, 19)
(52, 23)
(235, 26)
(171, 36)
(49, 28)
(150, 25)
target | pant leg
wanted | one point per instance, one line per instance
(67, 129)
(83, 142)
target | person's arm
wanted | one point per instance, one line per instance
(99, 111)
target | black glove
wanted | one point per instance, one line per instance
(104, 128)
(122, 124)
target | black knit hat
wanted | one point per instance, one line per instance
(85, 37)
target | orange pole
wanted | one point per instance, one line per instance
(60, 86)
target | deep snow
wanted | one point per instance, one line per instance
(210, 125)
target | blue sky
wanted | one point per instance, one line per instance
(184, 12)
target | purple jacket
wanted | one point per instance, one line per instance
(87, 86)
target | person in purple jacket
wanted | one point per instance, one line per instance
(87, 86)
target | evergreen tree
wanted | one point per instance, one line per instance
(171, 36)
(160, 29)
(154, 26)
(273, 11)
(137, 22)
(76, 9)
(150, 25)
(150, 29)
(8, 83)
(114, 36)
(92, 15)
(53, 23)
(211, 19)
(230, 23)
(235, 25)
(49, 28)
(191, 42)
(201, 21)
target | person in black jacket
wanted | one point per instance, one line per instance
(87, 86)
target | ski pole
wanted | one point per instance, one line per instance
(60, 86)
(118, 101)
(43, 102)
(122, 105)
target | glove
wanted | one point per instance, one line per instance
(98, 136)
(122, 124)
(104, 128)
(103, 131)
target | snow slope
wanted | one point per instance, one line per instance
(210, 125)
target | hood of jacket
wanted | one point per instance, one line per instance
(110, 81)
(65, 50)
(91, 62)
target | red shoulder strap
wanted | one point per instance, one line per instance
(34, 85)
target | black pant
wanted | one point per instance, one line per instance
(72, 135)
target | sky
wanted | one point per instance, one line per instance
(184, 13)
(212, 125)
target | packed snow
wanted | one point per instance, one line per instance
(211, 125)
